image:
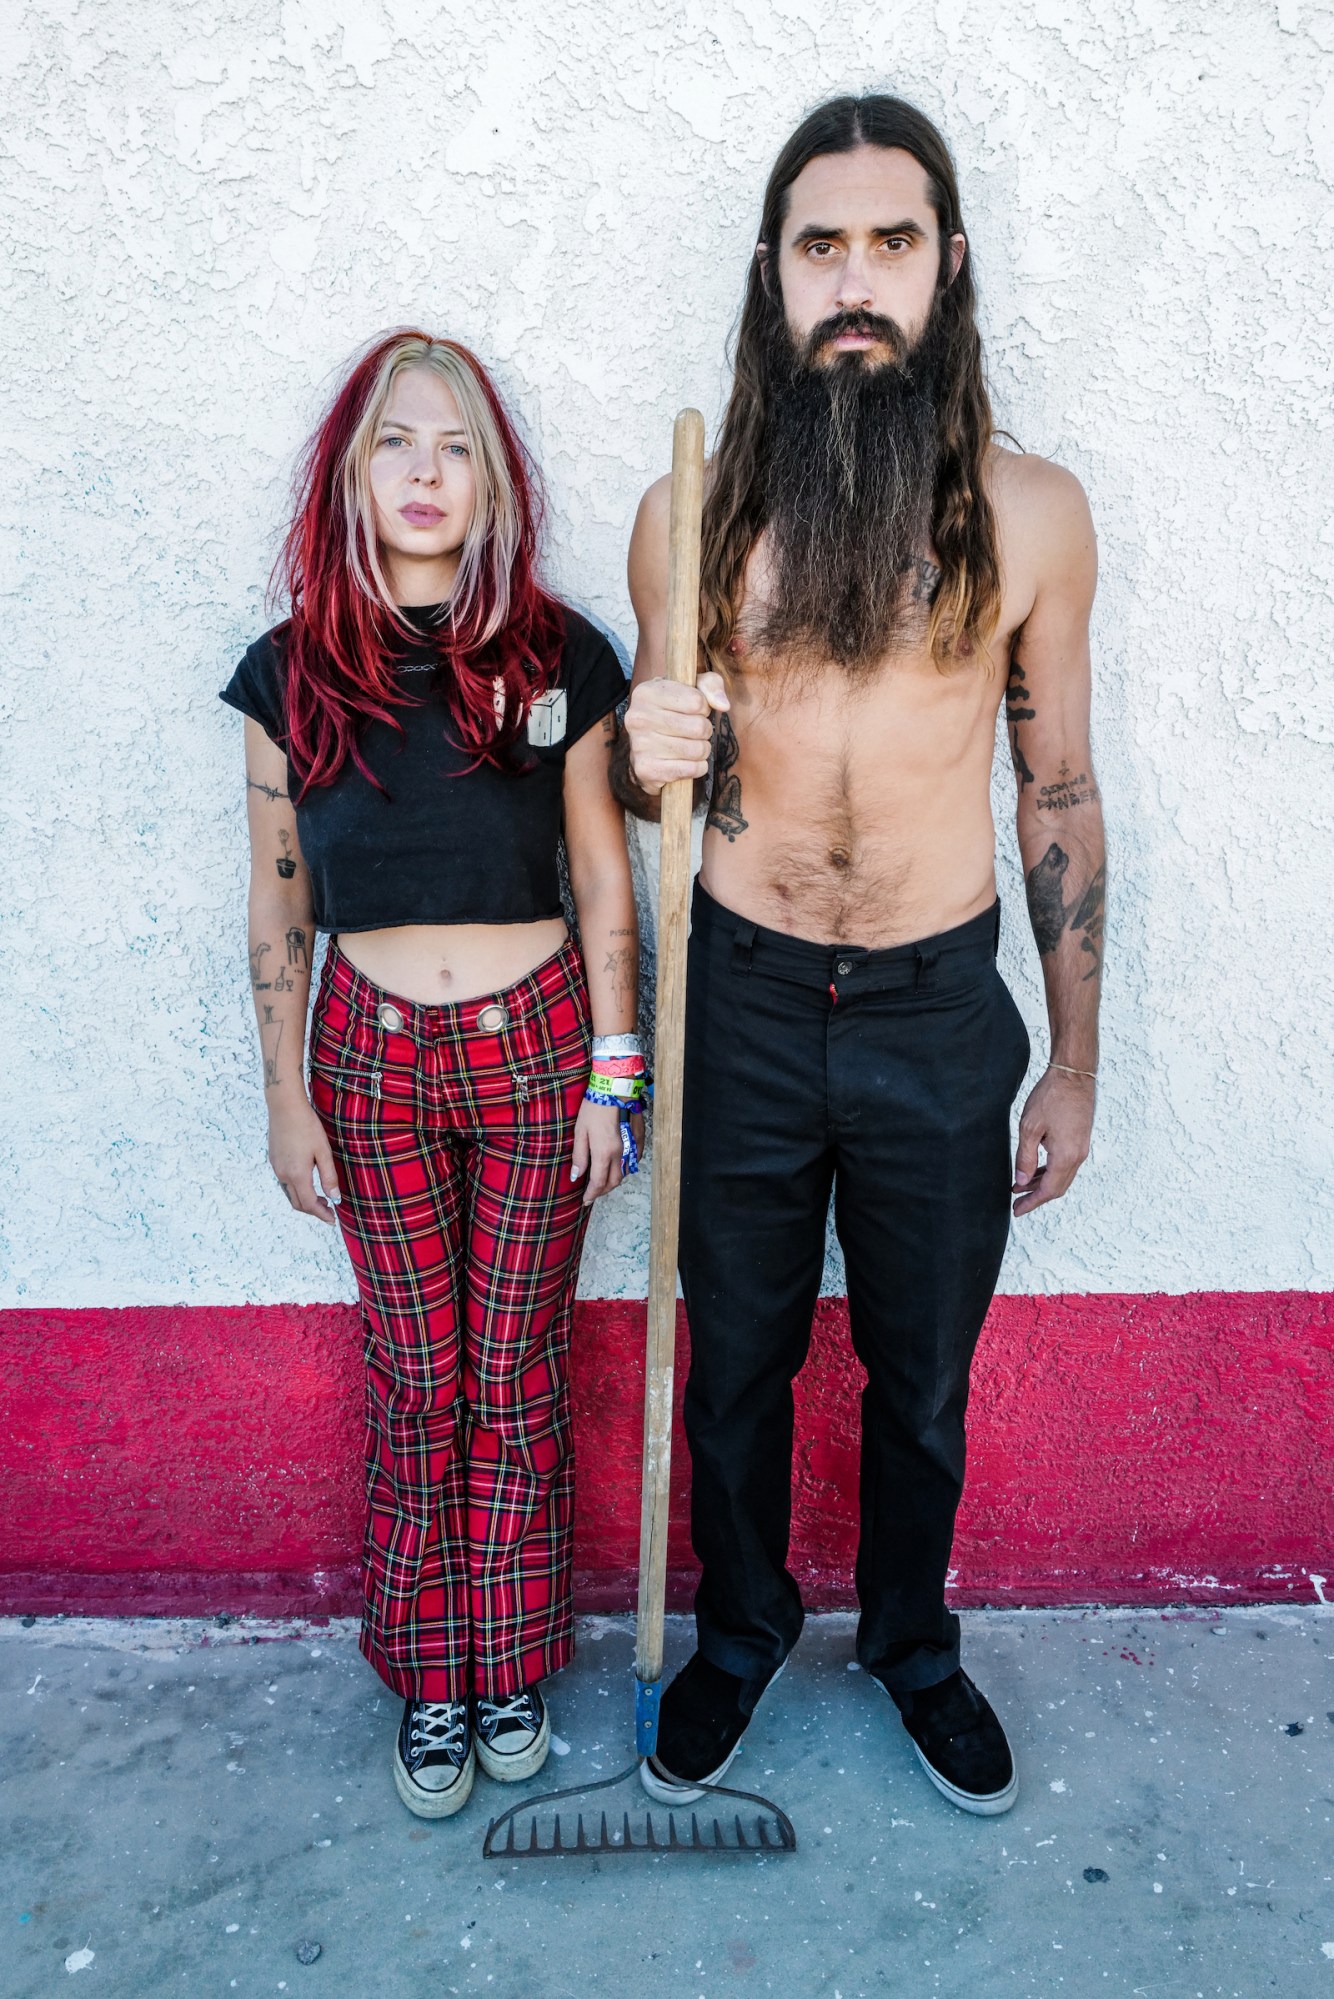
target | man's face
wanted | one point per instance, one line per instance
(861, 239)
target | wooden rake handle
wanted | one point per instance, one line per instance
(673, 920)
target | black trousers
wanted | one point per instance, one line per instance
(886, 1078)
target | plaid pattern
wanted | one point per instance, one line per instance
(464, 1228)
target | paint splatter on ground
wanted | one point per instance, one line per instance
(1173, 1832)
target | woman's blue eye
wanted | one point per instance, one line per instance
(461, 450)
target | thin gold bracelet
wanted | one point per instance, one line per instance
(1065, 1070)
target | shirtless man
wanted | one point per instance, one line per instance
(877, 574)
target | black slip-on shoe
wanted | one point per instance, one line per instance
(704, 1714)
(960, 1744)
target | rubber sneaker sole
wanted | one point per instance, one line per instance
(667, 1790)
(987, 1805)
(983, 1804)
(434, 1804)
(520, 1763)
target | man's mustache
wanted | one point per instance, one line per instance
(871, 325)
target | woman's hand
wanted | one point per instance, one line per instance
(597, 1149)
(298, 1150)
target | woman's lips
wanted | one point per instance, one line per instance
(421, 517)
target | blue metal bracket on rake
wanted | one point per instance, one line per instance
(648, 1695)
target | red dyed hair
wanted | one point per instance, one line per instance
(501, 643)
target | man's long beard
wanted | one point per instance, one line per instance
(852, 456)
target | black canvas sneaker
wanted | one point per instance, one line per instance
(960, 1744)
(705, 1712)
(434, 1759)
(513, 1734)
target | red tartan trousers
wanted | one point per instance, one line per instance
(453, 1129)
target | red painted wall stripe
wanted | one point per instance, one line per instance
(1140, 1449)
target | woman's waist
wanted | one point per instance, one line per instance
(446, 964)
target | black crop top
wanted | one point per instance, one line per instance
(441, 843)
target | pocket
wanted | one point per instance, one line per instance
(356, 1083)
(1023, 1047)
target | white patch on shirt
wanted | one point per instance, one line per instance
(546, 720)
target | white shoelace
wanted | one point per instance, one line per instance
(440, 1725)
(519, 1707)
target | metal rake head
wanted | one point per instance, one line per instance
(765, 1830)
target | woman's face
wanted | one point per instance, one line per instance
(422, 486)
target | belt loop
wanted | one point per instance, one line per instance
(743, 939)
(926, 964)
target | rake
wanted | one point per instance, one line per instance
(762, 1828)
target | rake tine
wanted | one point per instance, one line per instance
(580, 1843)
(629, 1836)
(741, 1839)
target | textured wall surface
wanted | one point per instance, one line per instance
(1131, 1449)
(204, 210)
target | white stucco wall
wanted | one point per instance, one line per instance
(206, 208)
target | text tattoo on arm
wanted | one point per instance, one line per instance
(725, 809)
(1067, 792)
(1051, 916)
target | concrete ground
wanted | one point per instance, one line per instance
(189, 1807)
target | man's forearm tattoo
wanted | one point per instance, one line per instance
(1067, 792)
(1051, 917)
(1046, 902)
(1088, 920)
(725, 808)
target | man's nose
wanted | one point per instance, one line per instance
(854, 285)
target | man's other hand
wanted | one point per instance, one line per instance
(670, 727)
(1058, 1117)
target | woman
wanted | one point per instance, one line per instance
(419, 735)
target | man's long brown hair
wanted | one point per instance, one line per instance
(963, 527)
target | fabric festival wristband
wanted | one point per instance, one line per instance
(632, 1106)
(616, 1044)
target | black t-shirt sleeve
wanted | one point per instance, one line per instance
(593, 677)
(256, 688)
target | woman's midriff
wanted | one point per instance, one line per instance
(438, 964)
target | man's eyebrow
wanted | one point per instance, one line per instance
(812, 233)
